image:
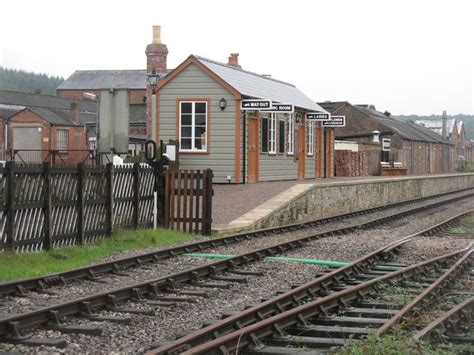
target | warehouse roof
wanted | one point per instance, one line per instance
(437, 125)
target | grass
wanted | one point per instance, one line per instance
(21, 265)
(399, 342)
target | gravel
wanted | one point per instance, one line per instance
(145, 331)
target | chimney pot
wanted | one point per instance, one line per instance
(156, 34)
(234, 60)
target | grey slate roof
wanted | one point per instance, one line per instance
(406, 129)
(437, 125)
(44, 101)
(257, 86)
(7, 111)
(105, 79)
(54, 117)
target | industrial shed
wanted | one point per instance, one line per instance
(419, 149)
(240, 146)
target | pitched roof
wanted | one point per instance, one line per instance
(406, 129)
(258, 86)
(44, 101)
(105, 79)
(54, 117)
(7, 111)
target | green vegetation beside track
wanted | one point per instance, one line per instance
(21, 265)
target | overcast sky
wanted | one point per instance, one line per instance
(402, 56)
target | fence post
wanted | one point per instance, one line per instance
(136, 194)
(207, 202)
(10, 198)
(165, 198)
(110, 197)
(80, 202)
(48, 200)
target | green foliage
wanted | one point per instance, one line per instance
(20, 80)
(15, 266)
(398, 342)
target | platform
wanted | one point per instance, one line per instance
(269, 204)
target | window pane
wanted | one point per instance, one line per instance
(186, 143)
(200, 120)
(186, 107)
(186, 132)
(200, 143)
(199, 132)
(200, 107)
(186, 120)
(264, 133)
(281, 141)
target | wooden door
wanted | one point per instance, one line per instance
(301, 151)
(253, 149)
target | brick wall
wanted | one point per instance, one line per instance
(348, 163)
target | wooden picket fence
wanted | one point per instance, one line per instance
(188, 196)
(43, 207)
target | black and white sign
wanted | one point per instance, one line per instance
(288, 108)
(318, 116)
(386, 142)
(335, 121)
(255, 104)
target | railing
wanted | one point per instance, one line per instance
(54, 157)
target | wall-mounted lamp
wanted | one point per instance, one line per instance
(222, 104)
(376, 135)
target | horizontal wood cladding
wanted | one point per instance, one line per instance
(192, 82)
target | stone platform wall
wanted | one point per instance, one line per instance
(328, 199)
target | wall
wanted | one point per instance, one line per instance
(194, 83)
(280, 166)
(325, 200)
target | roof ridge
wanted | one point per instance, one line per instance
(242, 70)
(106, 70)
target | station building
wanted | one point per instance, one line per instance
(199, 106)
(417, 148)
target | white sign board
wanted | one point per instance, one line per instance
(288, 108)
(335, 121)
(386, 142)
(318, 116)
(255, 104)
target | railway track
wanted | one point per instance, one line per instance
(118, 267)
(357, 307)
(155, 293)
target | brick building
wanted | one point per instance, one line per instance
(419, 149)
(37, 127)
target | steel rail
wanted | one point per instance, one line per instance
(319, 307)
(293, 297)
(150, 288)
(462, 312)
(429, 295)
(119, 265)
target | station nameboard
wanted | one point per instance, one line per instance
(288, 108)
(386, 143)
(318, 116)
(255, 104)
(335, 121)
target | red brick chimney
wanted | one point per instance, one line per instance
(74, 112)
(156, 53)
(234, 60)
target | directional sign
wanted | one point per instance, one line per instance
(386, 142)
(318, 116)
(335, 121)
(288, 108)
(255, 104)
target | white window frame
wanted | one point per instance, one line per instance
(66, 139)
(193, 126)
(272, 134)
(291, 135)
(310, 139)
